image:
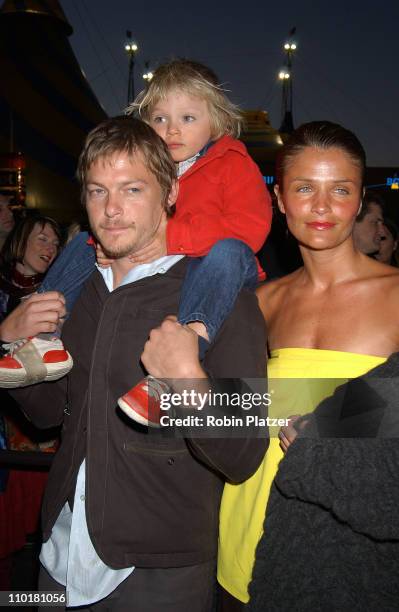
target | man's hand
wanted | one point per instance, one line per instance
(157, 247)
(40, 312)
(172, 352)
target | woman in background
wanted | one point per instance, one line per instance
(27, 255)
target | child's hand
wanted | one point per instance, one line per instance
(102, 260)
(172, 352)
(156, 249)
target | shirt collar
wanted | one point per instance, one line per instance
(159, 266)
(185, 165)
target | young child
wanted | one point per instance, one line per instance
(223, 211)
(222, 216)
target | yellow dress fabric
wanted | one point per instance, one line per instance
(298, 380)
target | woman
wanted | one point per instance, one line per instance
(28, 253)
(324, 320)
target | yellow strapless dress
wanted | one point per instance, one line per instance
(243, 506)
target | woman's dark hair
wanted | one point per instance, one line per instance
(369, 198)
(15, 245)
(392, 228)
(320, 135)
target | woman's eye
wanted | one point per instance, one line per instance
(342, 190)
(188, 118)
(158, 119)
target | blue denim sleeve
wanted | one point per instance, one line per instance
(71, 269)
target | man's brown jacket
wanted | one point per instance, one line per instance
(151, 500)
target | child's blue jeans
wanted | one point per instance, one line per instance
(212, 284)
(209, 291)
(71, 269)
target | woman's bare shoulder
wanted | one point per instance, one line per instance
(382, 269)
(378, 273)
(386, 282)
(271, 293)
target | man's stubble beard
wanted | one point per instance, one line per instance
(117, 251)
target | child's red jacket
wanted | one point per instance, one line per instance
(223, 195)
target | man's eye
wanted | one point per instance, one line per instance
(342, 190)
(304, 188)
(97, 192)
(133, 190)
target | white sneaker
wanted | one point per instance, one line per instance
(34, 360)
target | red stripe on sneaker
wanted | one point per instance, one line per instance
(55, 357)
(9, 363)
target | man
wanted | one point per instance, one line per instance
(6, 217)
(369, 224)
(143, 531)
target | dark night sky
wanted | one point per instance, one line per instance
(345, 70)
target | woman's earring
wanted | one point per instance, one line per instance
(359, 209)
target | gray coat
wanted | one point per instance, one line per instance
(331, 537)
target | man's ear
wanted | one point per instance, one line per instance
(174, 192)
(280, 204)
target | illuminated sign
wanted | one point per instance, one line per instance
(393, 182)
(269, 179)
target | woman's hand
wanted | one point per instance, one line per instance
(38, 313)
(288, 433)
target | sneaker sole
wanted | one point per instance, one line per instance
(13, 379)
(58, 370)
(134, 416)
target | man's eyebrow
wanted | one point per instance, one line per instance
(121, 184)
(141, 181)
(94, 183)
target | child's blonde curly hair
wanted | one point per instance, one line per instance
(194, 79)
